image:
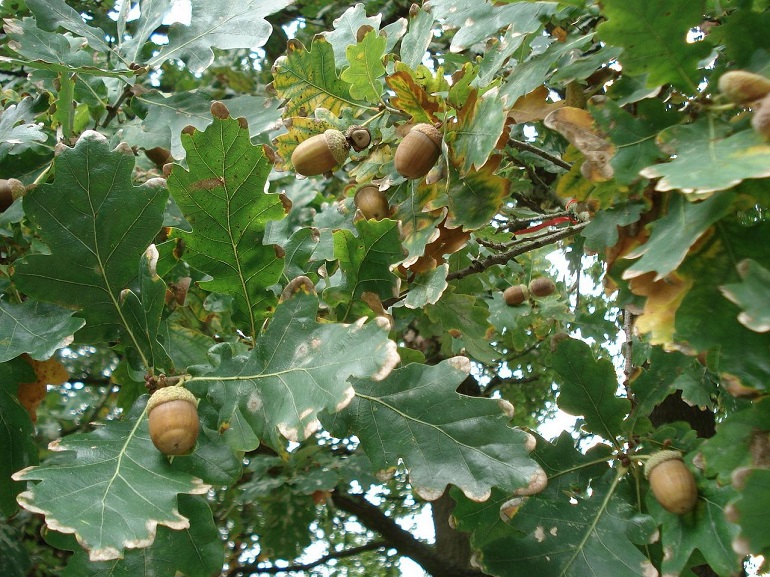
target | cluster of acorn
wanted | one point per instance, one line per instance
(538, 287)
(416, 154)
(749, 89)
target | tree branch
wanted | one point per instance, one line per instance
(524, 247)
(521, 145)
(402, 541)
(254, 569)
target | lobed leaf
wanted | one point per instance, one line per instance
(97, 225)
(366, 69)
(443, 438)
(36, 328)
(111, 488)
(222, 196)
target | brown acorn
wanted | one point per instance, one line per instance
(418, 151)
(173, 420)
(672, 483)
(541, 287)
(320, 153)
(760, 122)
(742, 87)
(515, 295)
(371, 202)
(10, 190)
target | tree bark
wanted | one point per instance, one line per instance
(454, 545)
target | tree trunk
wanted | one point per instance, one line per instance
(454, 545)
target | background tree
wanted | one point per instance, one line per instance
(354, 355)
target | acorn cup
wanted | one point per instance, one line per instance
(672, 483)
(371, 202)
(418, 151)
(173, 420)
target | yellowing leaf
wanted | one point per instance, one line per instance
(578, 127)
(308, 79)
(533, 106)
(412, 98)
(299, 128)
(663, 299)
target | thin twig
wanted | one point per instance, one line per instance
(628, 353)
(526, 246)
(520, 145)
(112, 111)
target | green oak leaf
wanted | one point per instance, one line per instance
(283, 526)
(166, 116)
(16, 434)
(706, 160)
(588, 388)
(539, 66)
(415, 42)
(151, 15)
(427, 288)
(18, 131)
(308, 80)
(752, 294)
(346, 29)
(674, 234)
(196, 551)
(366, 70)
(97, 225)
(222, 195)
(185, 344)
(654, 35)
(741, 36)
(707, 321)
(751, 510)
(418, 226)
(474, 198)
(443, 437)
(111, 487)
(633, 136)
(733, 446)
(226, 25)
(49, 48)
(480, 123)
(52, 14)
(705, 529)
(469, 316)
(297, 368)
(602, 231)
(36, 328)
(142, 312)
(568, 531)
(365, 261)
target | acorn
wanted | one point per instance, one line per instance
(672, 483)
(10, 190)
(515, 295)
(760, 122)
(742, 87)
(358, 137)
(371, 202)
(173, 420)
(542, 287)
(418, 151)
(320, 153)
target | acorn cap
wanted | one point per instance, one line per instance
(430, 131)
(660, 457)
(173, 393)
(338, 144)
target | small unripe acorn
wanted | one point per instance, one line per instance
(358, 137)
(760, 122)
(418, 151)
(672, 483)
(371, 202)
(742, 87)
(541, 287)
(173, 420)
(515, 295)
(320, 153)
